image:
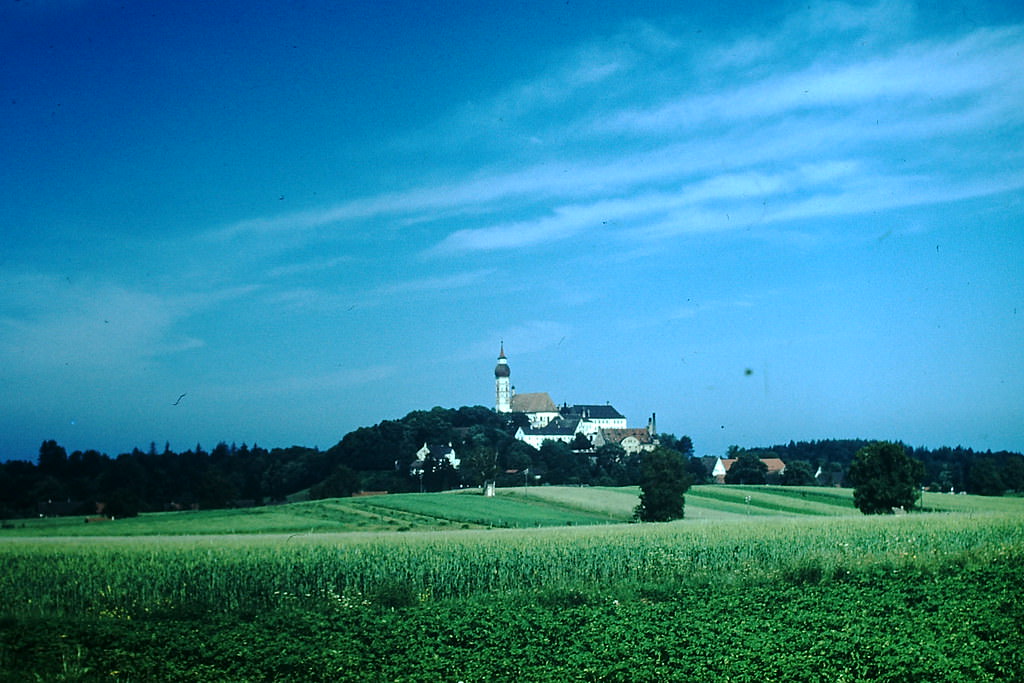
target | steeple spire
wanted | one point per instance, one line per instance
(502, 383)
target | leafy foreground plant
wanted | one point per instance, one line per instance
(881, 625)
(930, 598)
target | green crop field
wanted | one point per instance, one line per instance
(511, 508)
(758, 583)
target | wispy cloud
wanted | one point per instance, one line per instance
(978, 64)
(47, 323)
(759, 152)
(304, 384)
(51, 323)
(835, 112)
(435, 284)
(695, 308)
(309, 266)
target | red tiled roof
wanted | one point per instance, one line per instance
(617, 435)
(533, 403)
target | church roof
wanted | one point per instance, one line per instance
(592, 412)
(557, 427)
(533, 403)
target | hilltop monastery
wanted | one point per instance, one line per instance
(600, 424)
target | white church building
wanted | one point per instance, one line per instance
(600, 424)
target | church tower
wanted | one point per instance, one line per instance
(503, 384)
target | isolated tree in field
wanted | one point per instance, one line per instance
(663, 481)
(884, 477)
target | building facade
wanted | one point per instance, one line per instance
(599, 423)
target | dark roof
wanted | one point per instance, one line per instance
(592, 412)
(709, 463)
(557, 427)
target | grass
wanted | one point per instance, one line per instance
(512, 507)
(772, 500)
(792, 582)
(216, 572)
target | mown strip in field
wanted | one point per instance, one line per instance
(617, 503)
(499, 511)
(698, 506)
(770, 500)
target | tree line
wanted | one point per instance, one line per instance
(945, 469)
(379, 458)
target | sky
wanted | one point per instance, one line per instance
(274, 223)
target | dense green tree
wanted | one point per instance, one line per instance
(884, 477)
(1013, 472)
(682, 444)
(985, 479)
(748, 469)
(53, 459)
(342, 482)
(663, 485)
(609, 466)
(797, 473)
(121, 503)
(517, 455)
(214, 490)
(438, 473)
(18, 479)
(559, 464)
(581, 443)
(479, 463)
(698, 472)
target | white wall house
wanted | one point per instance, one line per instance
(559, 429)
(548, 421)
(631, 439)
(437, 450)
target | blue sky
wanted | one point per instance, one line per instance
(763, 223)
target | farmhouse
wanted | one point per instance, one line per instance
(435, 452)
(719, 467)
(600, 424)
(631, 439)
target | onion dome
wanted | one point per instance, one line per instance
(502, 369)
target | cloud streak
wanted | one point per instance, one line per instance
(49, 323)
(758, 152)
